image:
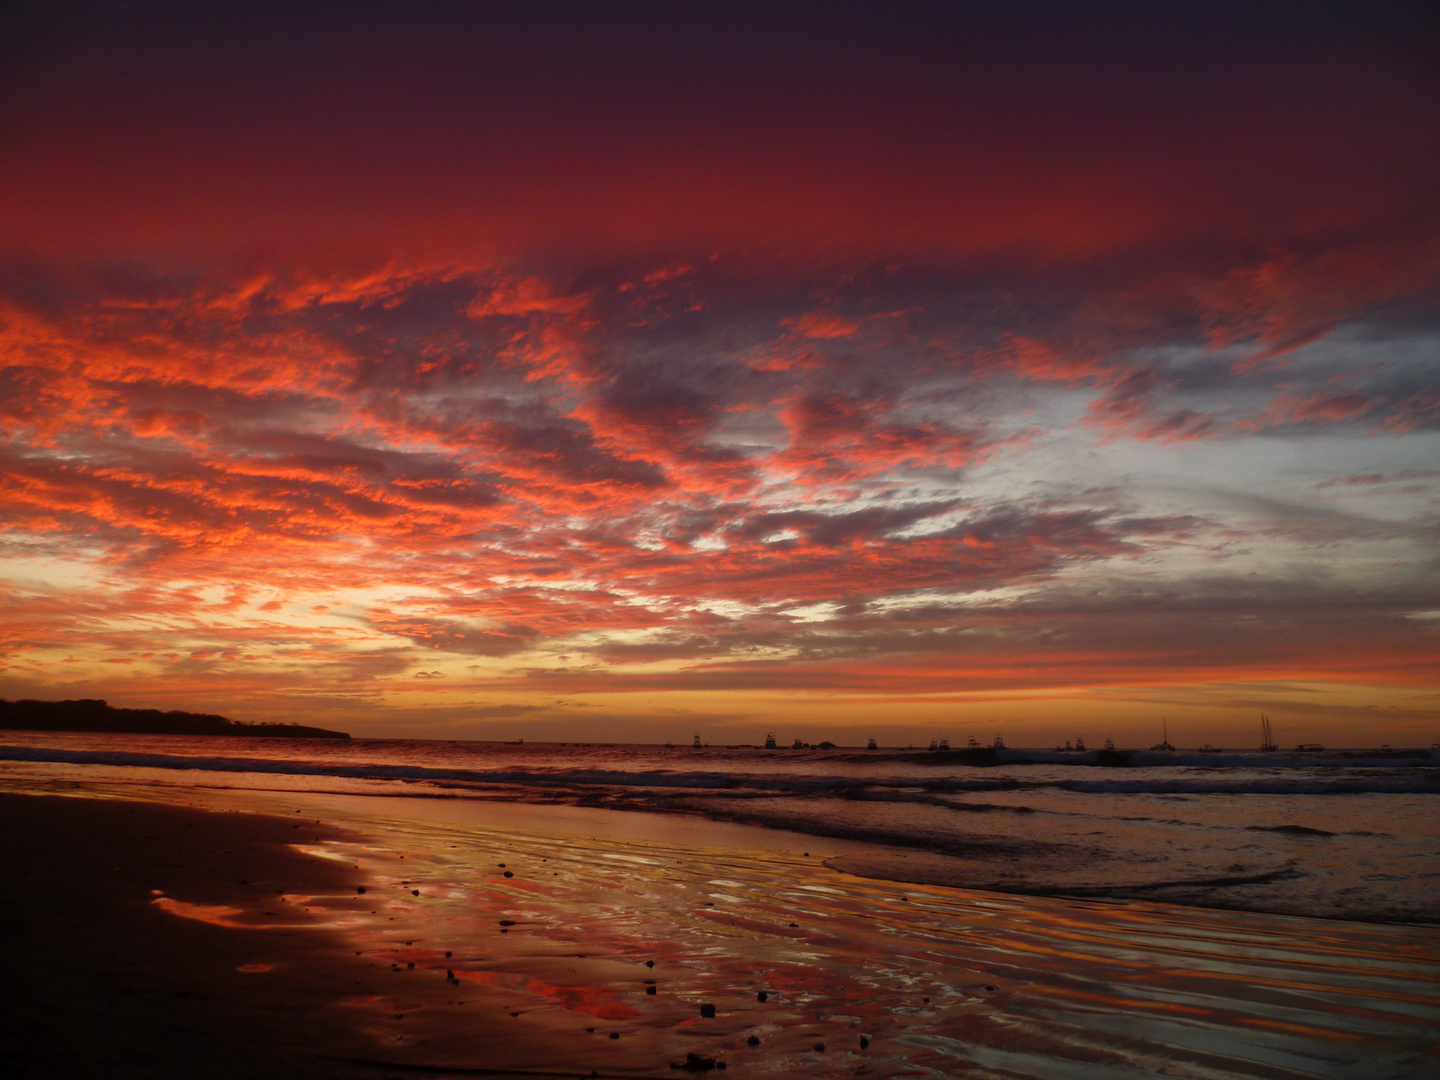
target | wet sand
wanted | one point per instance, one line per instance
(157, 941)
(101, 981)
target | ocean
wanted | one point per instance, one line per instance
(1336, 835)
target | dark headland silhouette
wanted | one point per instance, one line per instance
(93, 714)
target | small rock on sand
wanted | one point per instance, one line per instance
(819, 1048)
(761, 996)
(707, 1010)
(753, 1040)
(695, 1063)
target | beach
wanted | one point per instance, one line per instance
(200, 931)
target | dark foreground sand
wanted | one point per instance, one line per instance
(96, 980)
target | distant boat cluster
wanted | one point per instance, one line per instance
(1108, 755)
(772, 743)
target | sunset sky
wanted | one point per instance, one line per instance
(613, 371)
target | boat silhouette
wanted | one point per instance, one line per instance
(1164, 743)
(1267, 738)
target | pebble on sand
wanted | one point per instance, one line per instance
(753, 1040)
(864, 1043)
(695, 1063)
(650, 990)
(360, 889)
(509, 874)
(819, 1048)
(707, 1010)
(761, 996)
(650, 963)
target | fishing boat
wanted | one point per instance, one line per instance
(871, 744)
(770, 743)
(797, 745)
(944, 744)
(1080, 745)
(697, 744)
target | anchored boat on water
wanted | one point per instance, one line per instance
(1164, 743)
(1267, 738)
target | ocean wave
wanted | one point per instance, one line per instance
(926, 788)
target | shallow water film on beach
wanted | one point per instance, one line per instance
(525, 924)
(1333, 836)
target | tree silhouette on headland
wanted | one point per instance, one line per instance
(94, 714)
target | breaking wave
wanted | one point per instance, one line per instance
(858, 786)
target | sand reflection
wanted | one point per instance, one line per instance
(602, 947)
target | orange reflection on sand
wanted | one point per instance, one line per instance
(214, 914)
(597, 1001)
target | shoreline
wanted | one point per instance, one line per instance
(1255, 841)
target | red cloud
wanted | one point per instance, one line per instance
(817, 324)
